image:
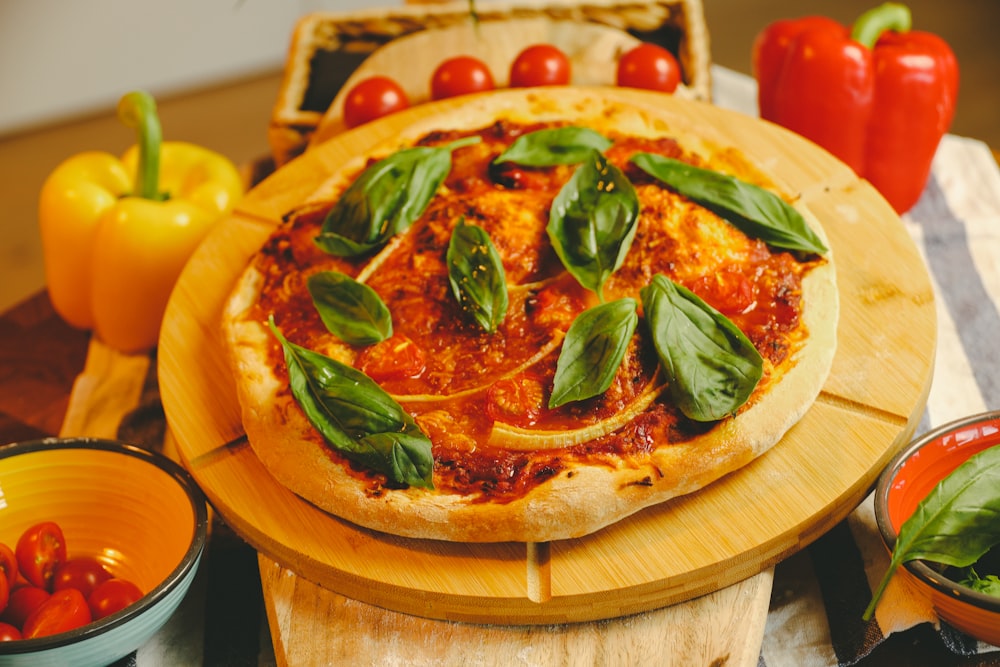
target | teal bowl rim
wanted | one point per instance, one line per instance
(190, 560)
(918, 568)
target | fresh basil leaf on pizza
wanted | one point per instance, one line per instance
(476, 274)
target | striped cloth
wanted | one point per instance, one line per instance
(820, 594)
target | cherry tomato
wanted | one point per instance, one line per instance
(4, 593)
(8, 565)
(518, 400)
(395, 358)
(729, 292)
(459, 76)
(23, 601)
(8, 633)
(40, 550)
(65, 610)
(651, 67)
(81, 573)
(373, 98)
(515, 177)
(540, 65)
(111, 596)
(556, 305)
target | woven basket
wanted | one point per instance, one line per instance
(326, 49)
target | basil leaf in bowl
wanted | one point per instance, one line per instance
(955, 524)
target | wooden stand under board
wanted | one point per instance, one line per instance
(313, 626)
(698, 545)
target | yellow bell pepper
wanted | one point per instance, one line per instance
(116, 233)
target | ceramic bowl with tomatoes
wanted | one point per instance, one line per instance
(967, 602)
(99, 543)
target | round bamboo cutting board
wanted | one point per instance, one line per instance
(696, 544)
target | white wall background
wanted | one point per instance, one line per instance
(63, 58)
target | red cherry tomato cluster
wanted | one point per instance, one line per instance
(42, 592)
(646, 66)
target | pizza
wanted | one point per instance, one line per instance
(528, 317)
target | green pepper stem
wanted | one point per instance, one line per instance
(887, 16)
(137, 110)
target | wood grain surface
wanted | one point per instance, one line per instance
(683, 549)
(40, 357)
(313, 626)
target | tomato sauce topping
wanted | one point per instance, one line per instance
(459, 382)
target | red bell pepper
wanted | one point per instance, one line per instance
(879, 96)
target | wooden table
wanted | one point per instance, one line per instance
(40, 358)
(305, 620)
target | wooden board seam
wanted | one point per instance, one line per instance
(862, 409)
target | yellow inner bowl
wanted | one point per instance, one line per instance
(123, 510)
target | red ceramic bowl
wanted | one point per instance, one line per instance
(907, 480)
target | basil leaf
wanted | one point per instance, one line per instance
(360, 221)
(712, 367)
(592, 351)
(549, 147)
(405, 455)
(755, 211)
(990, 584)
(592, 221)
(352, 311)
(955, 524)
(476, 275)
(386, 199)
(356, 416)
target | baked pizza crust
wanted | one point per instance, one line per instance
(582, 498)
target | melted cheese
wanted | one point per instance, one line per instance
(476, 394)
